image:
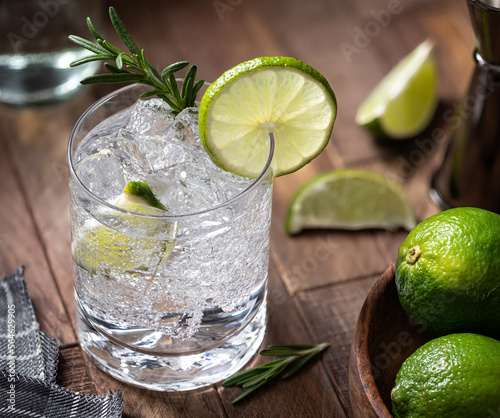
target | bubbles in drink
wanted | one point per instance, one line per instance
(218, 259)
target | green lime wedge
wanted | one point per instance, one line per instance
(404, 102)
(137, 194)
(349, 199)
(278, 94)
(101, 248)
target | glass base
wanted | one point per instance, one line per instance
(172, 373)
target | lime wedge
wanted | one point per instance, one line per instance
(405, 101)
(101, 248)
(349, 199)
(278, 94)
(137, 195)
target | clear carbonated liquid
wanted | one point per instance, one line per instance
(210, 282)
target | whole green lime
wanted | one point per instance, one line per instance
(455, 376)
(448, 272)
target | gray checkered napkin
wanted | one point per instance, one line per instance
(28, 365)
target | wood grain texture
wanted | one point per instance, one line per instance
(318, 279)
(20, 244)
(72, 372)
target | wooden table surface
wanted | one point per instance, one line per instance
(318, 280)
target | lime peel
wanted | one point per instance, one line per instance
(142, 190)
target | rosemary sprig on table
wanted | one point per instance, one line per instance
(135, 68)
(293, 358)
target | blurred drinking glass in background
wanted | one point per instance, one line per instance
(35, 51)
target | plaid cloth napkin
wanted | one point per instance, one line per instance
(28, 365)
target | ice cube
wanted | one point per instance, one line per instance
(186, 124)
(102, 174)
(150, 117)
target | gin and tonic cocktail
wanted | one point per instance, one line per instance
(170, 295)
(171, 209)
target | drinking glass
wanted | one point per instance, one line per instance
(35, 51)
(165, 301)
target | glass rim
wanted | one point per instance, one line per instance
(101, 201)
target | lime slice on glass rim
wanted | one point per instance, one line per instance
(349, 199)
(268, 94)
(103, 249)
(404, 102)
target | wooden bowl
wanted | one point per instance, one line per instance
(384, 337)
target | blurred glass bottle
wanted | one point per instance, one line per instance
(470, 173)
(35, 51)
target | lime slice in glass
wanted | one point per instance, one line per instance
(404, 102)
(100, 247)
(278, 94)
(349, 199)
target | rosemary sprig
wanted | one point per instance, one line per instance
(133, 67)
(293, 358)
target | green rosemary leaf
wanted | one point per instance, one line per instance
(294, 347)
(122, 32)
(109, 47)
(272, 372)
(141, 62)
(113, 69)
(119, 61)
(173, 105)
(113, 78)
(90, 58)
(196, 89)
(240, 380)
(249, 373)
(301, 362)
(248, 392)
(91, 46)
(175, 89)
(173, 68)
(148, 94)
(93, 30)
(153, 70)
(187, 85)
(285, 350)
(132, 64)
(297, 365)
(293, 357)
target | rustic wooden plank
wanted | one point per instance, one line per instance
(316, 259)
(307, 394)
(140, 403)
(20, 244)
(72, 370)
(331, 314)
(38, 139)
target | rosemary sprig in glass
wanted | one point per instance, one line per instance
(293, 358)
(133, 67)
